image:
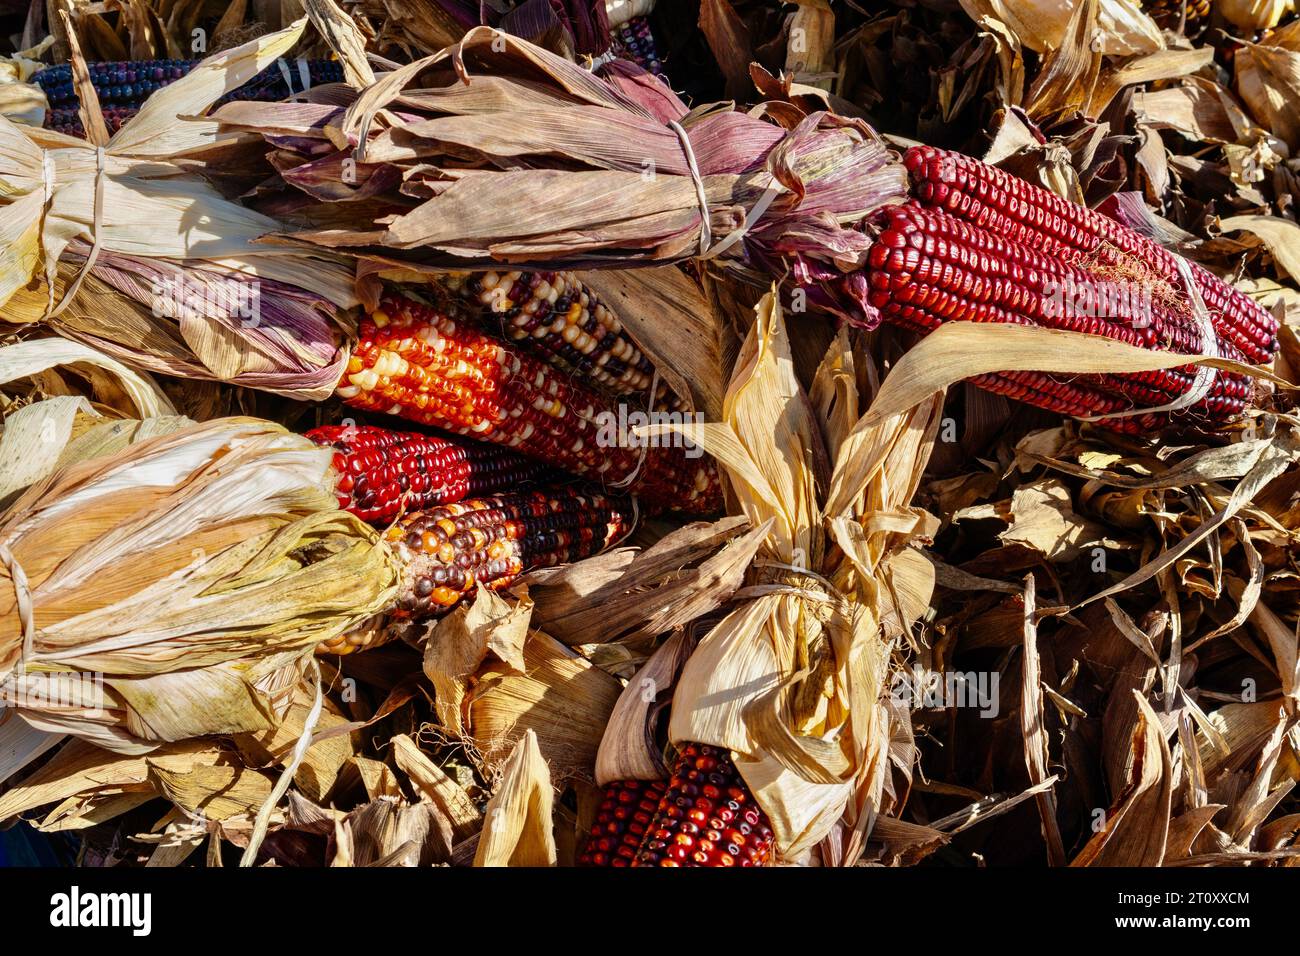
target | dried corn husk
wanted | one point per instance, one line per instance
(1268, 79)
(791, 679)
(560, 696)
(200, 570)
(125, 228)
(627, 749)
(1254, 14)
(1122, 27)
(21, 101)
(481, 157)
(517, 825)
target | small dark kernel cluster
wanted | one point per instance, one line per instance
(123, 86)
(382, 473)
(636, 42)
(1169, 13)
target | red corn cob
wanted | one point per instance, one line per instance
(415, 361)
(979, 245)
(621, 822)
(446, 551)
(707, 816)
(1022, 212)
(381, 473)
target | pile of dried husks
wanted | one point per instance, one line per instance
(693, 433)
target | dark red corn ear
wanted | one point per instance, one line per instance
(621, 822)
(707, 816)
(1014, 209)
(979, 245)
(381, 473)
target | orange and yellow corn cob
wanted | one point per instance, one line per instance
(415, 361)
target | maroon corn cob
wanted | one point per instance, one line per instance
(621, 822)
(447, 551)
(1022, 212)
(382, 473)
(977, 244)
(707, 816)
(415, 361)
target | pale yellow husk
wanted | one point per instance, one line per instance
(192, 573)
(149, 207)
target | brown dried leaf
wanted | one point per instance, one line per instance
(1137, 825)
(458, 644)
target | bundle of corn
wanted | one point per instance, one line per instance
(381, 473)
(415, 361)
(448, 551)
(815, 204)
(178, 587)
(116, 245)
(638, 177)
(777, 716)
(122, 87)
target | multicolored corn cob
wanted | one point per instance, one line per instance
(122, 87)
(446, 551)
(559, 320)
(635, 41)
(621, 822)
(1169, 13)
(415, 361)
(706, 817)
(383, 473)
(978, 244)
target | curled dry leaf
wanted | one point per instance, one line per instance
(628, 750)
(518, 829)
(1042, 25)
(438, 789)
(1136, 831)
(458, 644)
(626, 596)
(1268, 79)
